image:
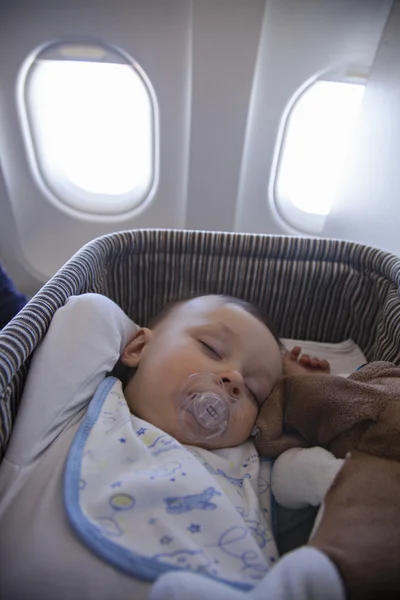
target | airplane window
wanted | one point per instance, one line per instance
(317, 136)
(92, 128)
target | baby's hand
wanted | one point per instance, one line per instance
(293, 365)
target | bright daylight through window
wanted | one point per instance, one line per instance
(317, 136)
(93, 132)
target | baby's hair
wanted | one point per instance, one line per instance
(124, 373)
(249, 307)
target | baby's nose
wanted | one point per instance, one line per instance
(233, 384)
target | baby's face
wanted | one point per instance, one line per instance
(203, 335)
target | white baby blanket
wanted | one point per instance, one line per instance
(147, 504)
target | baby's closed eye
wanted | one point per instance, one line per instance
(210, 350)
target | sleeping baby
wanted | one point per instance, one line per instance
(109, 484)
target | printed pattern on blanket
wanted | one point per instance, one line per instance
(147, 504)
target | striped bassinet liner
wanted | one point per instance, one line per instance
(316, 289)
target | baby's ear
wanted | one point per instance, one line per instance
(133, 351)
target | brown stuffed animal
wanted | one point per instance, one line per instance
(357, 417)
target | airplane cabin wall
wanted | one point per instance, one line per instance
(368, 208)
(224, 73)
(225, 45)
(300, 41)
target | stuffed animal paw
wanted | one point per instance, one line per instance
(302, 476)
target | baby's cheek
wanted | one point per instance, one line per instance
(246, 421)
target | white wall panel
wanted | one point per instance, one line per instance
(226, 37)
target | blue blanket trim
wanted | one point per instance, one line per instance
(127, 561)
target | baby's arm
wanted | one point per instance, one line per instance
(83, 342)
(302, 476)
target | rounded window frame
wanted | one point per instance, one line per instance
(65, 195)
(289, 215)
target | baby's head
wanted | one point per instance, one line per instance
(222, 336)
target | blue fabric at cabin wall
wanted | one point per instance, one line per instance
(11, 301)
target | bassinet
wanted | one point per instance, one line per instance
(316, 289)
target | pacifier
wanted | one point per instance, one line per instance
(207, 407)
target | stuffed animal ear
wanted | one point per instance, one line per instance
(271, 439)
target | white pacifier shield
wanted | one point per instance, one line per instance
(206, 408)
